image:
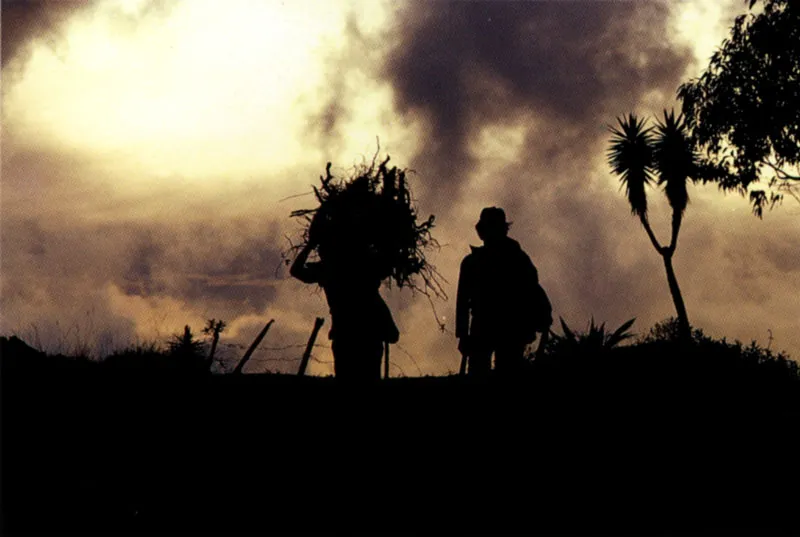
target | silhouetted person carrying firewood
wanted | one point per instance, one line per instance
(360, 319)
(500, 305)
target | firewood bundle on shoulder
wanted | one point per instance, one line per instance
(371, 215)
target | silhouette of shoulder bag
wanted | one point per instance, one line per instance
(386, 322)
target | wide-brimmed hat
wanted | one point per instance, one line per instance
(492, 218)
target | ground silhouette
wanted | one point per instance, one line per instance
(647, 439)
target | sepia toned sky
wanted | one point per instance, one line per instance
(152, 151)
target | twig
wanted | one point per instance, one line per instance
(413, 360)
(293, 196)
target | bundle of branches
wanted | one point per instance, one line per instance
(372, 213)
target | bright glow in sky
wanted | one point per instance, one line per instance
(702, 24)
(201, 92)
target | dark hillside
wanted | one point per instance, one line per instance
(642, 440)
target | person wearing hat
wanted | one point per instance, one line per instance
(500, 305)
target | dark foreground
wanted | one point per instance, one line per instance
(85, 451)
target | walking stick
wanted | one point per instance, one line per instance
(463, 370)
(386, 361)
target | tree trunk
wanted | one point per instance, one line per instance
(676, 227)
(677, 298)
(650, 234)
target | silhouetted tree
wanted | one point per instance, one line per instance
(636, 154)
(744, 110)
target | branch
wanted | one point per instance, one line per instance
(677, 217)
(780, 173)
(650, 234)
(788, 188)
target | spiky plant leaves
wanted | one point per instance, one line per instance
(675, 159)
(631, 157)
(595, 337)
(594, 340)
(569, 335)
(214, 326)
(620, 334)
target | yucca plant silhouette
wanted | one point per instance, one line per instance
(636, 153)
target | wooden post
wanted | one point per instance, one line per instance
(252, 348)
(307, 354)
(386, 360)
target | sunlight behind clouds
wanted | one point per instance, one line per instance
(703, 25)
(212, 89)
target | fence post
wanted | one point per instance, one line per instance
(307, 354)
(252, 348)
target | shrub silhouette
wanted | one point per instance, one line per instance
(187, 352)
(662, 357)
(137, 357)
(183, 354)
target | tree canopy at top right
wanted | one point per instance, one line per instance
(744, 110)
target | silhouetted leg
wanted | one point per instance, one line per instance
(357, 358)
(367, 359)
(480, 359)
(509, 358)
(342, 358)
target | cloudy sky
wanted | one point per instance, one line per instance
(153, 150)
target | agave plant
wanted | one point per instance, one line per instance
(636, 154)
(596, 339)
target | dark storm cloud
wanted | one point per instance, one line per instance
(462, 65)
(26, 22)
(563, 70)
(356, 53)
(782, 254)
(224, 267)
(29, 21)
(59, 268)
